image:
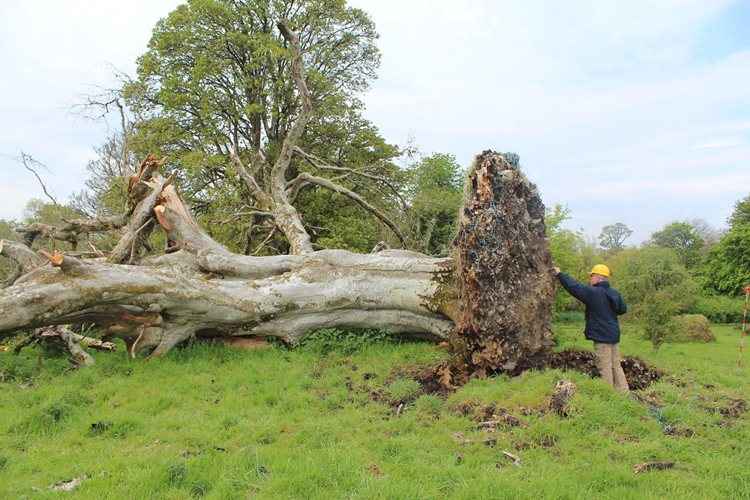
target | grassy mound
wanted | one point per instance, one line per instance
(691, 328)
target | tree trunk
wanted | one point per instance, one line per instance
(495, 295)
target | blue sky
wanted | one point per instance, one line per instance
(633, 111)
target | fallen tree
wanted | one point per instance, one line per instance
(492, 298)
(201, 290)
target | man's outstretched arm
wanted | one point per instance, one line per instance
(576, 289)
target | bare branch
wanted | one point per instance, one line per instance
(249, 180)
(29, 163)
(322, 165)
(320, 181)
(71, 230)
(13, 275)
(265, 242)
(24, 259)
(239, 215)
(125, 249)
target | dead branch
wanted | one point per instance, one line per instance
(70, 341)
(142, 214)
(71, 230)
(29, 162)
(287, 218)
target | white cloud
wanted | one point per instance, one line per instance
(722, 143)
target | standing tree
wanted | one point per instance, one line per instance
(434, 194)
(741, 213)
(612, 237)
(569, 251)
(252, 116)
(683, 238)
(727, 268)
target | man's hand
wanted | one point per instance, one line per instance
(555, 271)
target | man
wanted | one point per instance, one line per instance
(603, 305)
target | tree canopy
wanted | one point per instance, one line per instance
(684, 239)
(727, 268)
(613, 236)
(223, 89)
(741, 213)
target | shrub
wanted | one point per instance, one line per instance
(570, 252)
(655, 313)
(641, 273)
(691, 328)
(720, 308)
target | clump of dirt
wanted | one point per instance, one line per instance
(730, 408)
(432, 380)
(734, 409)
(561, 396)
(649, 466)
(678, 431)
(427, 377)
(640, 374)
(489, 417)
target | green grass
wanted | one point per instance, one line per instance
(214, 423)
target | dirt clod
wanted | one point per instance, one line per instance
(649, 466)
(489, 417)
(640, 374)
(734, 408)
(68, 485)
(677, 431)
(561, 396)
(375, 470)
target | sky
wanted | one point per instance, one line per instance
(625, 111)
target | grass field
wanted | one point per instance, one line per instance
(215, 423)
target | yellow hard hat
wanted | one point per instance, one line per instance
(601, 270)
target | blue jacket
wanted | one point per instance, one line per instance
(603, 305)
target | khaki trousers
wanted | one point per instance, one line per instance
(608, 362)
